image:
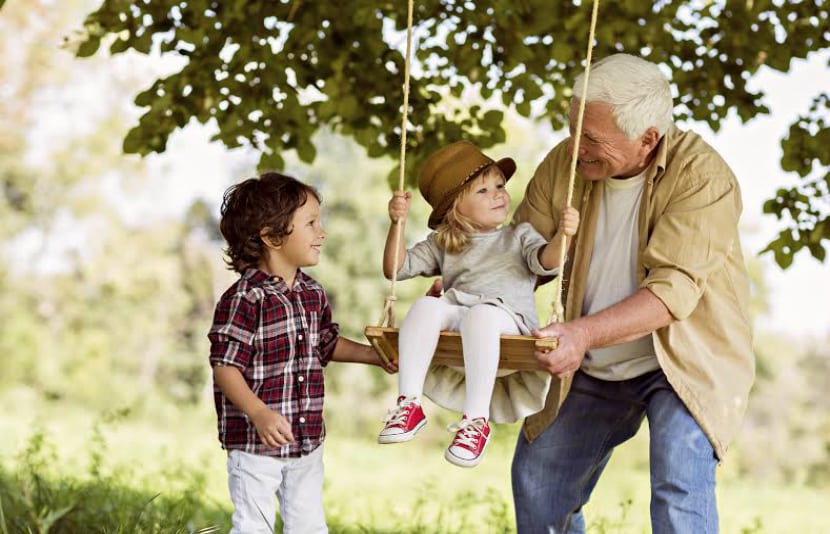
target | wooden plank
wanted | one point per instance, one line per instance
(516, 351)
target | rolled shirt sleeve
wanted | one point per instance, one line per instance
(233, 332)
(696, 217)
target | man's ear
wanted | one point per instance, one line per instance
(650, 139)
(269, 240)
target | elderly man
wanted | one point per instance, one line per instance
(657, 325)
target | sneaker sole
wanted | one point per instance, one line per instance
(461, 462)
(401, 438)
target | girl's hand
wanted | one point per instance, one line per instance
(399, 206)
(569, 222)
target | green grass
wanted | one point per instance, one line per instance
(156, 469)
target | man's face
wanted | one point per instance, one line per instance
(604, 150)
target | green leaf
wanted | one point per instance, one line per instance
(306, 151)
(88, 47)
(135, 141)
(119, 45)
(270, 161)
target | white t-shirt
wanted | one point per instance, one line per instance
(612, 276)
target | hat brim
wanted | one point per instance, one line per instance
(507, 166)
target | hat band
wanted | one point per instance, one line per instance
(477, 170)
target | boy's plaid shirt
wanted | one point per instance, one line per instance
(279, 339)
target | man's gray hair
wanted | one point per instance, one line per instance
(636, 89)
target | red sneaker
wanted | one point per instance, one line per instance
(403, 421)
(471, 437)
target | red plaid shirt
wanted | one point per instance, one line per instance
(279, 339)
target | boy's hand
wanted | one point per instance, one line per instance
(274, 430)
(569, 222)
(399, 206)
(388, 366)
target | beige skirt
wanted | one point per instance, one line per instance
(516, 395)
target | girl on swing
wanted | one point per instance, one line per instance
(489, 275)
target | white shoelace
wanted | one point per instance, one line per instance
(467, 431)
(397, 415)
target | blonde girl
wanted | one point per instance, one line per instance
(489, 275)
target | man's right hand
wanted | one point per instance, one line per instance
(567, 357)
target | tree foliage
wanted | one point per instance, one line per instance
(271, 73)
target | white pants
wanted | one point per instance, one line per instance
(254, 482)
(480, 326)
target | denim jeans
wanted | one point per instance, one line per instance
(553, 476)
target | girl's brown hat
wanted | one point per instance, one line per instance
(448, 169)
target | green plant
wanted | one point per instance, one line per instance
(37, 497)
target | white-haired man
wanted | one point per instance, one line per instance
(656, 326)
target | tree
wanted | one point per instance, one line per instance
(85, 276)
(271, 73)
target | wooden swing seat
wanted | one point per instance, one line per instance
(516, 351)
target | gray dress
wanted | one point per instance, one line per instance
(500, 269)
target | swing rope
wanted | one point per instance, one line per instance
(558, 314)
(388, 316)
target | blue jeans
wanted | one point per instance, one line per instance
(553, 476)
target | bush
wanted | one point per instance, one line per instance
(35, 497)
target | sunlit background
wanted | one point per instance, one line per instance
(111, 264)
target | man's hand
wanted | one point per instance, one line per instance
(436, 288)
(568, 356)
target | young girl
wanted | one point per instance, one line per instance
(489, 275)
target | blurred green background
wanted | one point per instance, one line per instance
(111, 265)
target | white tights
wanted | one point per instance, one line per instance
(480, 327)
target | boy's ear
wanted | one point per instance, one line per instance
(269, 241)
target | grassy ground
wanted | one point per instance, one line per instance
(373, 488)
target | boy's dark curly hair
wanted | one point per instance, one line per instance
(258, 206)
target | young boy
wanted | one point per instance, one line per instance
(272, 334)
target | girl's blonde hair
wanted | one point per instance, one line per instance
(453, 234)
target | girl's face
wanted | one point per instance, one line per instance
(485, 201)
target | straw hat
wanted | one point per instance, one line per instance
(447, 170)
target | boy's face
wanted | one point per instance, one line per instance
(486, 202)
(300, 248)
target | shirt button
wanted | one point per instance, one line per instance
(302, 419)
(300, 379)
(300, 337)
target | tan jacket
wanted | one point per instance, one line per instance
(689, 256)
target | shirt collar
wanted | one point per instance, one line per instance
(658, 166)
(260, 278)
